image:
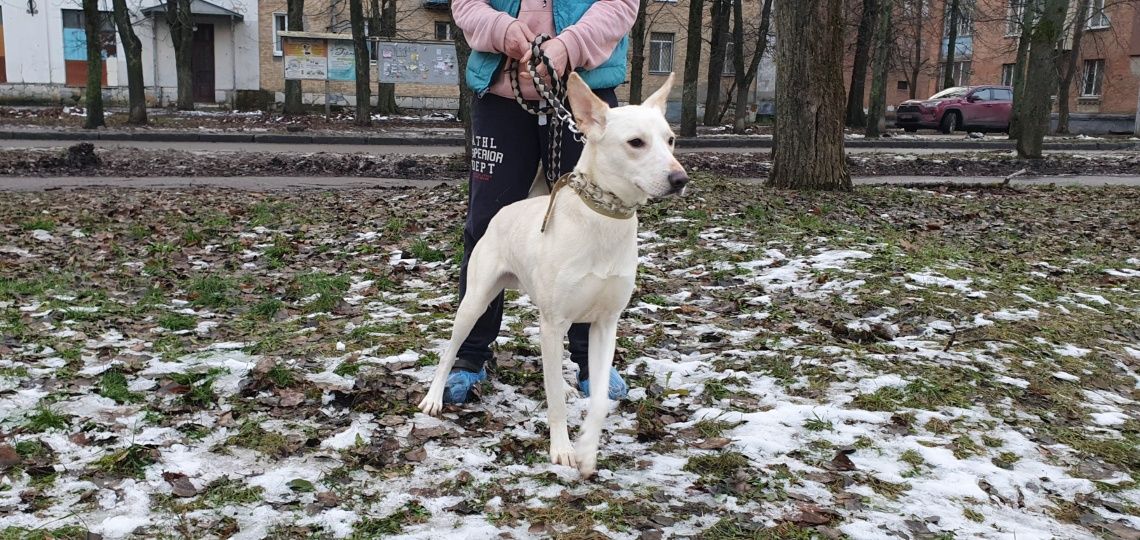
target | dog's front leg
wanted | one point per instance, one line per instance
(561, 452)
(603, 340)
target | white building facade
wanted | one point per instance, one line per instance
(44, 51)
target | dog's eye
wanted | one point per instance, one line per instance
(671, 139)
(636, 143)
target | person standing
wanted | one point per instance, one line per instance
(508, 142)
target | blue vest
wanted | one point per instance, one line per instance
(482, 67)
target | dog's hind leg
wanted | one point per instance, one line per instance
(561, 452)
(603, 340)
(483, 283)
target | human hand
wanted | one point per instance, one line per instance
(517, 42)
(555, 50)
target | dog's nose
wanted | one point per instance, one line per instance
(677, 180)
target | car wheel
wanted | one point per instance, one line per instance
(910, 129)
(950, 123)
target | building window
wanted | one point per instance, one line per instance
(1016, 12)
(965, 21)
(729, 68)
(443, 31)
(961, 73)
(1097, 17)
(280, 24)
(660, 52)
(903, 85)
(1007, 71)
(1093, 79)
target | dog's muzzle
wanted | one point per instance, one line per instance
(677, 182)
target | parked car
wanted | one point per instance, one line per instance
(978, 108)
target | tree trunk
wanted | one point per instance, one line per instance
(721, 9)
(738, 68)
(385, 23)
(692, 69)
(132, 50)
(93, 20)
(1027, 15)
(1080, 21)
(181, 25)
(1041, 77)
(808, 149)
(917, 67)
(741, 86)
(637, 53)
(296, 17)
(855, 115)
(884, 36)
(951, 45)
(462, 51)
(363, 65)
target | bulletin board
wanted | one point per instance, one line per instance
(418, 62)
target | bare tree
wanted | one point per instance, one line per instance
(363, 64)
(384, 26)
(462, 52)
(953, 12)
(1072, 58)
(742, 84)
(718, 44)
(92, 29)
(692, 69)
(808, 150)
(132, 51)
(884, 38)
(181, 25)
(637, 53)
(1041, 79)
(1029, 10)
(911, 55)
(296, 19)
(855, 115)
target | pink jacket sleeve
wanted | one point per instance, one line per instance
(484, 26)
(592, 39)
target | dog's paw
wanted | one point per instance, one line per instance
(571, 392)
(587, 462)
(431, 405)
(562, 455)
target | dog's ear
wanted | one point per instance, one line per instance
(661, 96)
(589, 111)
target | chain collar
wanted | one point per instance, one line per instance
(597, 198)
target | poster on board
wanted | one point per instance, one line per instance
(306, 58)
(342, 61)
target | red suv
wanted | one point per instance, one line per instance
(982, 108)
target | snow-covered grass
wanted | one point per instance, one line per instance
(892, 362)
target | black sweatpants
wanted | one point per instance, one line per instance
(507, 146)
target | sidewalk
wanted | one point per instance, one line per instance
(269, 183)
(454, 138)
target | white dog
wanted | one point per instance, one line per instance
(575, 253)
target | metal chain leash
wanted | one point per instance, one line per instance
(555, 99)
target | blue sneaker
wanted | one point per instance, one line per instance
(618, 388)
(459, 385)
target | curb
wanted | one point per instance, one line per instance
(388, 140)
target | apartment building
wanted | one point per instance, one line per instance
(430, 20)
(43, 51)
(1106, 85)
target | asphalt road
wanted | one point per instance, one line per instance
(293, 183)
(410, 149)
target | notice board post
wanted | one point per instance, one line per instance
(331, 57)
(318, 57)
